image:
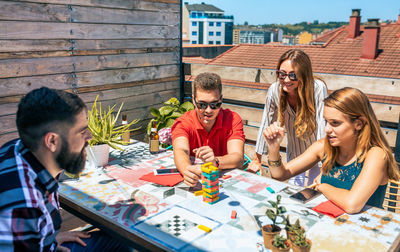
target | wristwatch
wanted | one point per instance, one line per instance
(216, 162)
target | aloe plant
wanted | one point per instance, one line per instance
(300, 238)
(277, 211)
(166, 115)
(102, 125)
(292, 228)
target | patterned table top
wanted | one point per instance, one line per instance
(170, 215)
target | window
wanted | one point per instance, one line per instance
(210, 33)
(217, 42)
(194, 42)
(193, 14)
(210, 42)
(218, 24)
(200, 14)
(218, 33)
(211, 23)
(194, 23)
(194, 33)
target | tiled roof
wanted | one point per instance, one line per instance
(339, 55)
(204, 45)
(203, 7)
(195, 59)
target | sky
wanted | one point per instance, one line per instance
(295, 11)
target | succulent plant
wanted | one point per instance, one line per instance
(277, 211)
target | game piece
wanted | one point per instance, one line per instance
(210, 183)
(270, 190)
(198, 193)
(204, 228)
(233, 214)
(226, 176)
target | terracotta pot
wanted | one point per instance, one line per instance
(268, 235)
(98, 154)
(275, 249)
(302, 249)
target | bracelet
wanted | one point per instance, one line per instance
(217, 162)
(275, 163)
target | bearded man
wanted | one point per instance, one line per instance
(53, 129)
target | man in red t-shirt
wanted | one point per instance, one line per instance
(209, 132)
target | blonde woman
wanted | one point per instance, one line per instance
(296, 101)
(357, 160)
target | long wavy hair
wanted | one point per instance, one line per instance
(355, 105)
(305, 122)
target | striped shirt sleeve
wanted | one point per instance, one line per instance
(270, 115)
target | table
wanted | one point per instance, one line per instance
(166, 218)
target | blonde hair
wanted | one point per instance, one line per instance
(305, 122)
(355, 105)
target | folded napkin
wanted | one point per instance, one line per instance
(329, 208)
(165, 180)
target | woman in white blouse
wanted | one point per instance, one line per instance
(295, 101)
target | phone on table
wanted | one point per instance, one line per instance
(305, 195)
(166, 171)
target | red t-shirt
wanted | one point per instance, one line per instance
(228, 126)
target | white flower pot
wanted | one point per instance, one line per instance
(98, 154)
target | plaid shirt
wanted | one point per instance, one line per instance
(29, 208)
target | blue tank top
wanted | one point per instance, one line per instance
(343, 176)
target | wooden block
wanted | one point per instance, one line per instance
(204, 228)
(227, 176)
(233, 214)
(198, 193)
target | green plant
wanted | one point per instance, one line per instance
(300, 238)
(277, 211)
(166, 115)
(292, 228)
(280, 241)
(102, 125)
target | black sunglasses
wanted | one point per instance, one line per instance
(204, 105)
(282, 75)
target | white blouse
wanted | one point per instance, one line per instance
(295, 145)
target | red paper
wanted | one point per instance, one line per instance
(165, 180)
(329, 208)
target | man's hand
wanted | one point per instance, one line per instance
(254, 166)
(206, 154)
(74, 236)
(274, 135)
(191, 174)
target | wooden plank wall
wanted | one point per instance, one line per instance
(248, 102)
(124, 51)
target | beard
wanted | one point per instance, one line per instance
(71, 162)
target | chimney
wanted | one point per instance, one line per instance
(371, 39)
(354, 24)
(186, 3)
(398, 19)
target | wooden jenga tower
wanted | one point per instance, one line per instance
(210, 181)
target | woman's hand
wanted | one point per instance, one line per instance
(274, 135)
(317, 182)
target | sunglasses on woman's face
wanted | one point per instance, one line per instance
(213, 105)
(282, 75)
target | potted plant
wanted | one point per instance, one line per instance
(269, 231)
(292, 228)
(300, 242)
(280, 244)
(105, 131)
(166, 115)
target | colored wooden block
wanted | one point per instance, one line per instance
(212, 175)
(198, 193)
(209, 183)
(211, 201)
(233, 214)
(270, 189)
(227, 176)
(204, 228)
(211, 190)
(210, 196)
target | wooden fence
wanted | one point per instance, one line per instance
(124, 51)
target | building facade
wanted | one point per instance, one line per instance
(260, 36)
(207, 24)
